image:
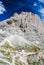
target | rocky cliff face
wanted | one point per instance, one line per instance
(26, 25)
(22, 30)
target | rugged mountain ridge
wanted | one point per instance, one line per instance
(27, 25)
(22, 38)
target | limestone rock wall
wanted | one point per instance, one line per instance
(25, 24)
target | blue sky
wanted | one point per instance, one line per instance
(9, 7)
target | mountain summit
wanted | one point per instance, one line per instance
(26, 25)
(22, 32)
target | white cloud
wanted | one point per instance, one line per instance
(2, 8)
(41, 1)
(35, 4)
(42, 11)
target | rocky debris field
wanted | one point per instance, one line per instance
(22, 38)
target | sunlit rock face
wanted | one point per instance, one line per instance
(22, 38)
